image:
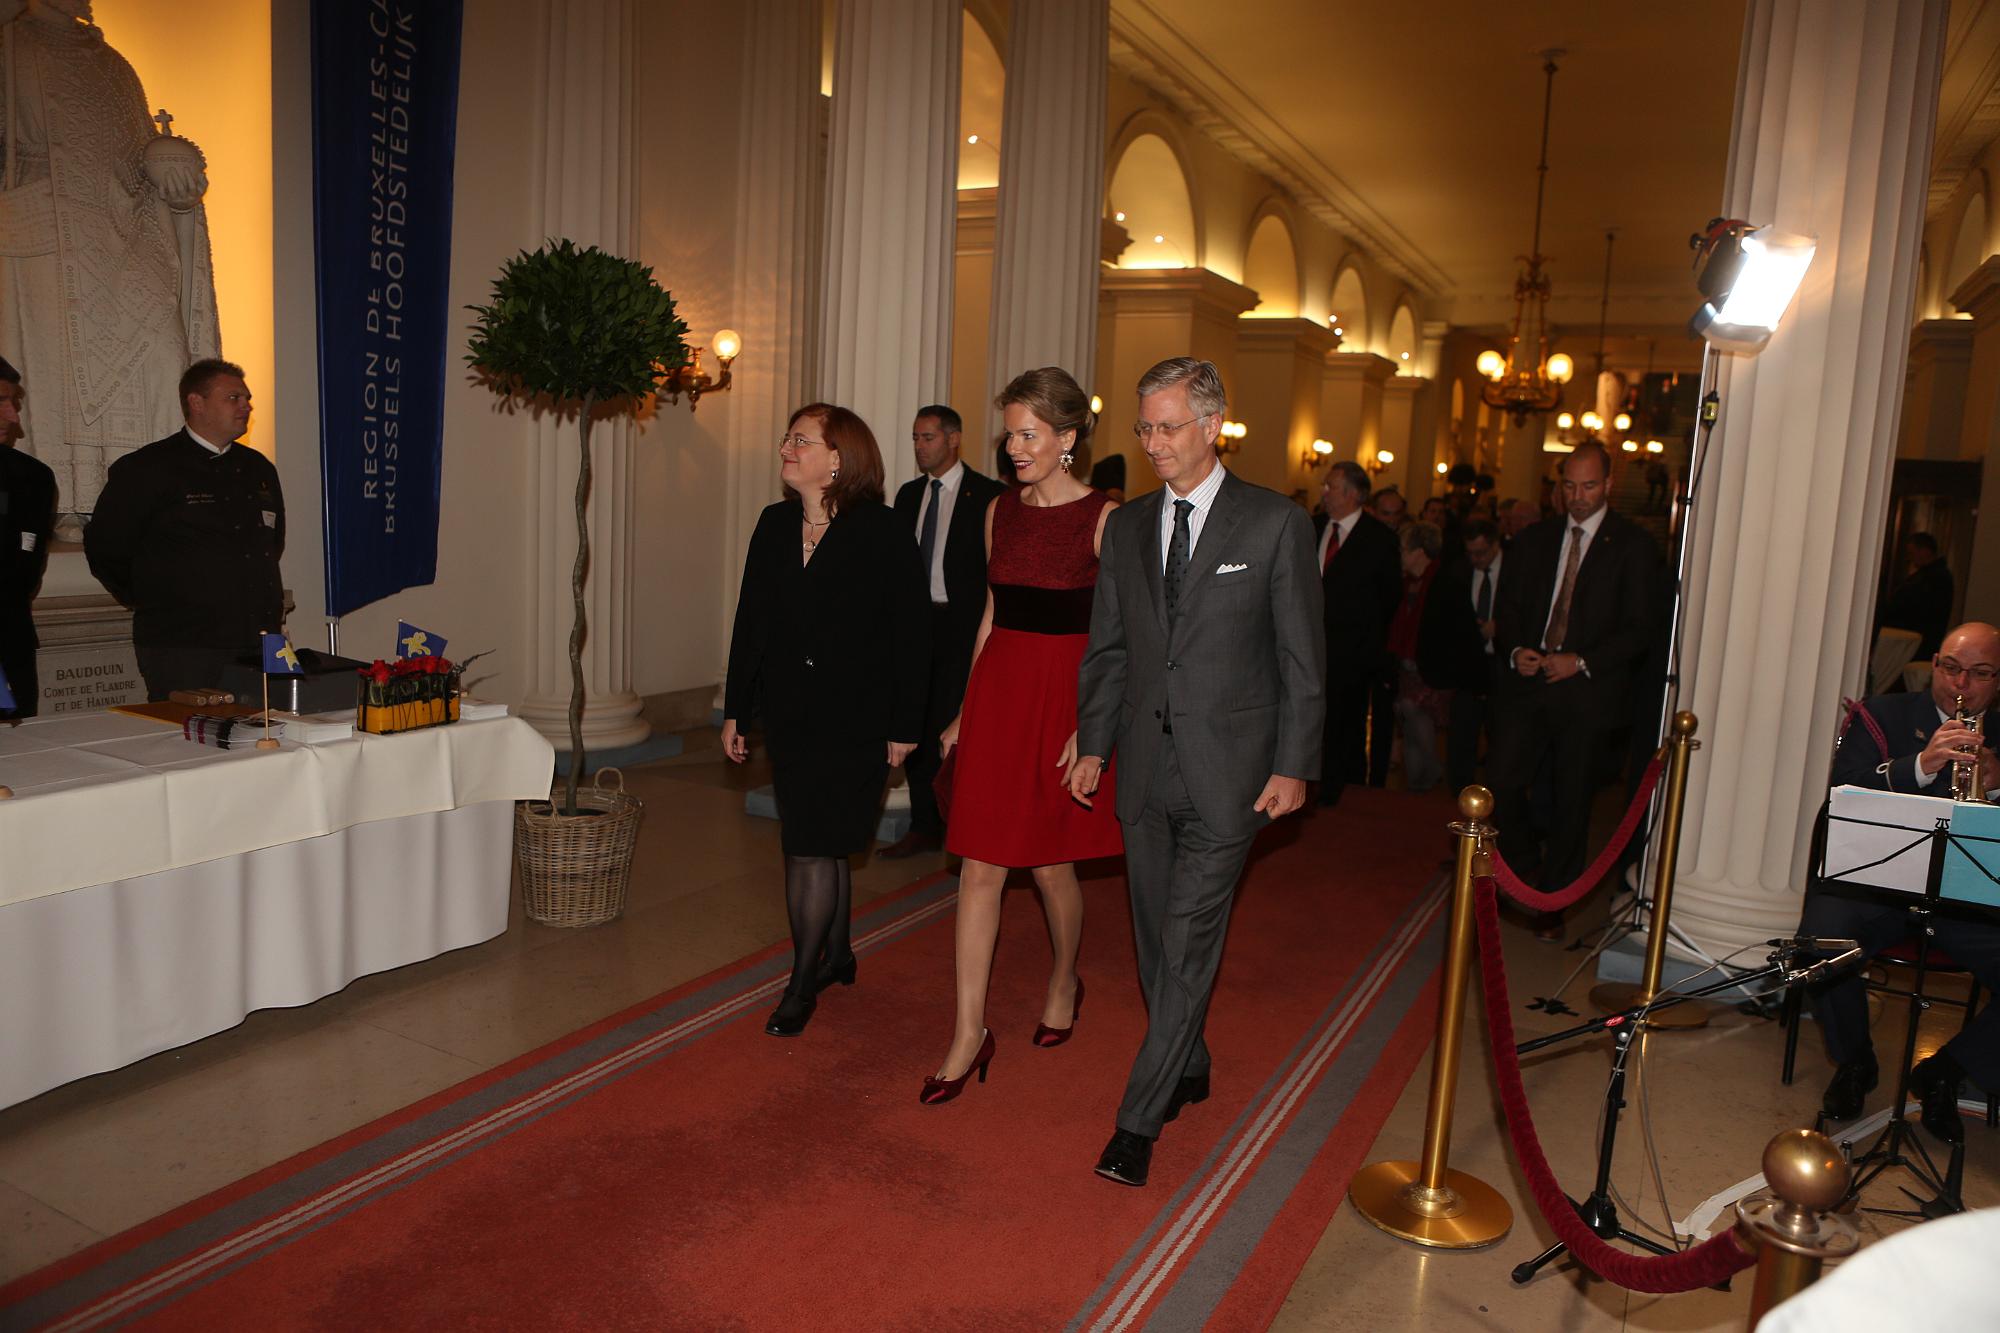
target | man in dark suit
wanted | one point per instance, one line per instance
(1203, 673)
(1470, 590)
(1906, 743)
(27, 516)
(945, 508)
(1922, 601)
(1574, 614)
(187, 532)
(1361, 580)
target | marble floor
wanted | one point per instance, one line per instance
(97, 1156)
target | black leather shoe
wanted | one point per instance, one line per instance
(789, 1019)
(831, 975)
(1190, 1090)
(1935, 1081)
(1127, 1158)
(1845, 1094)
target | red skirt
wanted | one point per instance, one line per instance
(1008, 804)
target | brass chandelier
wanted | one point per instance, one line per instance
(1527, 379)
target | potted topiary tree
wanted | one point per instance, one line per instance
(578, 330)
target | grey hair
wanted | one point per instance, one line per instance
(1426, 535)
(1351, 472)
(1204, 383)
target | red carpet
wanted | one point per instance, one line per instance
(673, 1167)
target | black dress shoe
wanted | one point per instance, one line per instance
(789, 1019)
(1126, 1158)
(1851, 1084)
(1935, 1081)
(831, 974)
(1190, 1090)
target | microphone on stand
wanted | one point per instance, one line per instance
(1788, 949)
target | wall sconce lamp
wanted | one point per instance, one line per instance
(1233, 433)
(1655, 447)
(1443, 469)
(1382, 459)
(1096, 406)
(1310, 456)
(692, 380)
(1630, 446)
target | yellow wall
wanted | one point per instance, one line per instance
(214, 78)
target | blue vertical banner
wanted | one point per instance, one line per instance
(385, 121)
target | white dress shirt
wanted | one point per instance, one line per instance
(1202, 498)
(1590, 526)
(212, 448)
(947, 500)
(1346, 526)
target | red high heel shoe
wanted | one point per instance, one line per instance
(1046, 1036)
(940, 1090)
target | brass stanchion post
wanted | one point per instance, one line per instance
(1426, 1201)
(1615, 996)
(1791, 1225)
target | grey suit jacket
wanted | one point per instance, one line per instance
(1241, 674)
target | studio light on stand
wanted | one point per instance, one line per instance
(1748, 277)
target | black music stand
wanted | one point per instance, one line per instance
(1899, 1143)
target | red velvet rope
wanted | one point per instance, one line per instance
(1533, 898)
(1706, 1265)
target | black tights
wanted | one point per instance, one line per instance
(819, 896)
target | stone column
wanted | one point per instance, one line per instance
(777, 214)
(1150, 314)
(1279, 366)
(1836, 102)
(1351, 403)
(1401, 397)
(885, 329)
(588, 188)
(1047, 234)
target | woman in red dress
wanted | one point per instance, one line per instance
(1015, 735)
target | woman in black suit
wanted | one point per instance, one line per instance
(832, 650)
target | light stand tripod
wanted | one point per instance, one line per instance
(1597, 1210)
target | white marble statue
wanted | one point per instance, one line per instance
(106, 289)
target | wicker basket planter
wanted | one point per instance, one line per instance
(575, 868)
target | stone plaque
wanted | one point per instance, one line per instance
(84, 678)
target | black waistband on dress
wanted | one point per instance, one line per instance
(1041, 610)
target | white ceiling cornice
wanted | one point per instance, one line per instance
(1149, 49)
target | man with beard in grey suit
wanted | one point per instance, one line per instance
(1205, 674)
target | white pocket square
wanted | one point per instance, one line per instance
(1230, 569)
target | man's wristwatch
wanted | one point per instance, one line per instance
(1582, 666)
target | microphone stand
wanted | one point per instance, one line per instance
(1598, 1212)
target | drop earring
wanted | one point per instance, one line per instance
(1067, 459)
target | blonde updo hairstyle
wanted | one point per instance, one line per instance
(1054, 396)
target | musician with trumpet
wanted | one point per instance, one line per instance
(1933, 744)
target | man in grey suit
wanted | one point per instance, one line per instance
(1204, 674)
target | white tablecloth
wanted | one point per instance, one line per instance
(106, 797)
(154, 891)
(99, 977)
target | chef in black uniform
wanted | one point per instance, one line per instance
(187, 533)
(27, 516)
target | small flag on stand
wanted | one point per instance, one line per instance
(280, 658)
(414, 642)
(7, 704)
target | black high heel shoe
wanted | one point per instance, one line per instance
(1046, 1036)
(939, 1090)
(789, 1019)
(842, 974)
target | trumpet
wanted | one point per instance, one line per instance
(1965, 783)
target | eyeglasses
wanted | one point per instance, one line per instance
(1985, 675)
(796, 442)
(1145, 430)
